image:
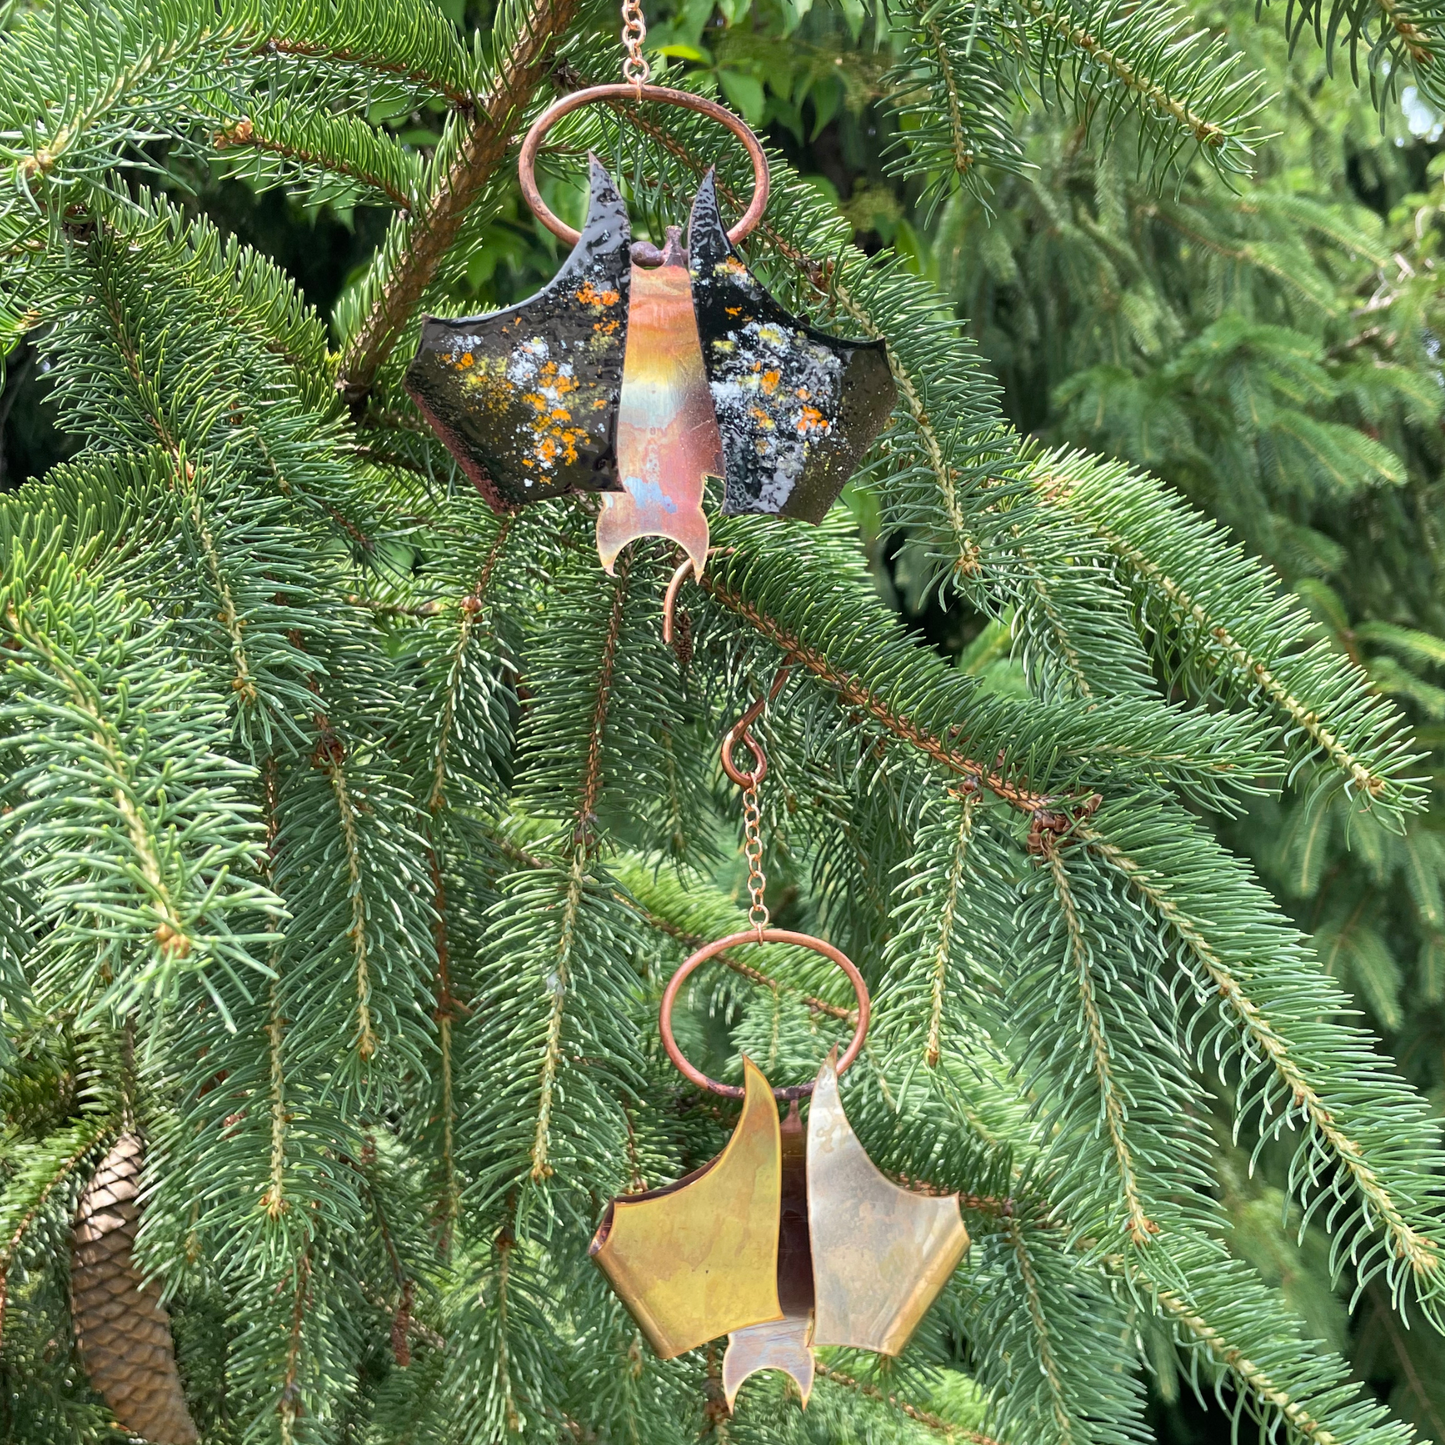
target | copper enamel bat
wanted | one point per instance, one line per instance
(642, 382)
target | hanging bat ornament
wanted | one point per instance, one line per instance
(791, 1238)
(639, 374)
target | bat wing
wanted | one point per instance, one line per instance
(526, 398)
(797, 408)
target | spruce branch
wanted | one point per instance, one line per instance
(1114, 1107)
(1049, 1368)
(853, 692)
(186, 483)
(947, 922)
(949, 89)
(1219, 1312)
(1396, 36)
(472, 610)
(927, 1418)
(584, 845)
(446, 1014)
(274, 1199)
(1185, 88)
(1412, 1254)
(412, 255)
(1229, 643)
(337, 145)
(744, 583)
(346, 811)
(289, 1406)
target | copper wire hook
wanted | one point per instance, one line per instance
(741, 732)
(669, 598)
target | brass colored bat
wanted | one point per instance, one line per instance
(791, 1238)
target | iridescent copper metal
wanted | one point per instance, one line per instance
(667, 436)
(855, 1259)
(880, 1253)
(783, 1344)
(699, 1258)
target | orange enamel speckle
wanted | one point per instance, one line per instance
(733, 310)
(554, 437)
(589, 295)
(761, 417)
(801, 393)
(771, 380)
(605, 327)
(811, 419)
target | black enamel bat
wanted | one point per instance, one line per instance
(528, 398)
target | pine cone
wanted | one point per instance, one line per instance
(124, 1333)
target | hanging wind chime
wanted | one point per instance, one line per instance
(638, 374)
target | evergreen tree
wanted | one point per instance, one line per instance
(351, 831)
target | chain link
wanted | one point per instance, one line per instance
(635, 69)
(758, 915)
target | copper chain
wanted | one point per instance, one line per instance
(635, 69)
(758, 915)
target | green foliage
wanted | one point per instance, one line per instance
(351, 832)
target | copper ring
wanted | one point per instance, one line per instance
(549, 117)
(735, 940)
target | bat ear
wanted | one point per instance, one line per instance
(797, 408)
(704, 223)
(481, 381)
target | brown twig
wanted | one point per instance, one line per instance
(439, 219)
(1043, 808)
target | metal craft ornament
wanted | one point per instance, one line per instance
(640, 373)
(791, 1238)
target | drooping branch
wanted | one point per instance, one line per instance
(436, 225)
(852, 690)
(471, 608)
(1133, 78)
(1115, 1110)
(1048, 1361)
(1421, 1253)
(927, 1418)
(244, 134)
(584, 845)
(1189, 609)
(377, 62)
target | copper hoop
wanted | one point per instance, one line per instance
(526, 162)
(734, 940)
